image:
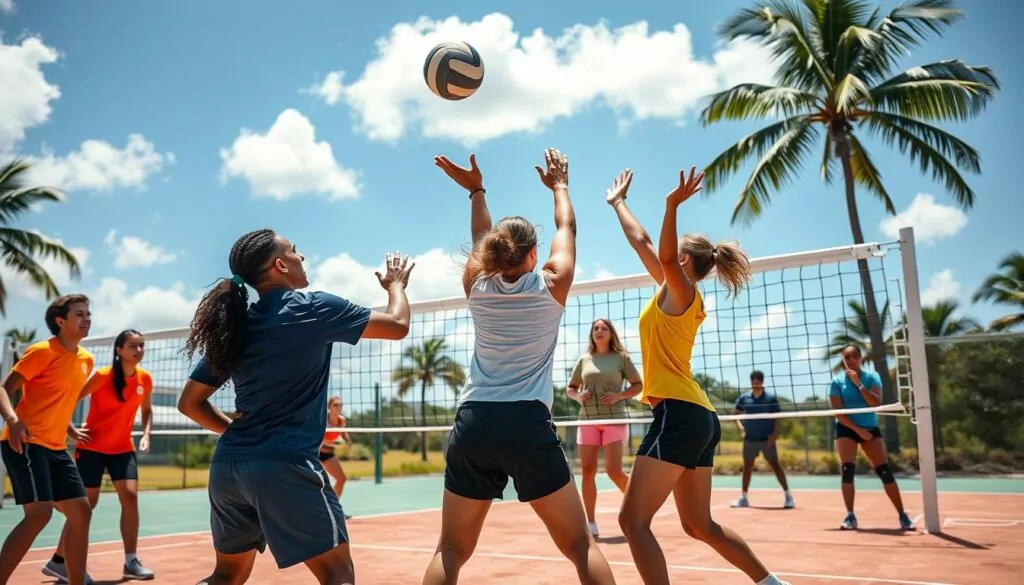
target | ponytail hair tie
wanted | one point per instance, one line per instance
(237, 280)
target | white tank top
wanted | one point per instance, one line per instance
(516, 327)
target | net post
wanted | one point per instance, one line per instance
(378, 438)
(919, 382)
(6, 363)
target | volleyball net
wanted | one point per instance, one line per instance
(791, 323)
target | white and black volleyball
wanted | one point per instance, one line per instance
(453, 71)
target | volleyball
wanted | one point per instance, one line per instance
(453, 71)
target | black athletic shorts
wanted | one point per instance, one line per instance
(682, 433)
(493, 441)
(325, 455)
(39, 474)
(845, 432)
(92, 464)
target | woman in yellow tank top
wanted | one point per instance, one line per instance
(677, 455)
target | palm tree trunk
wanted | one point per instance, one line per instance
(423, 417)
(890, 425)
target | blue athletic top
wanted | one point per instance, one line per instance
(516, 331)
(757, 429)
(852, 397)
(281, 380)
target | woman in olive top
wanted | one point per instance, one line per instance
(596, 383)
(677, 455)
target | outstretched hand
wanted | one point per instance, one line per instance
(557, 174)
(396, 271)
(687, 188)
(469, 179)
(617, 192)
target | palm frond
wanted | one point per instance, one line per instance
(866, 174)
(946, 90)
(964, 156)
(41, 247)
(1007, 322)
(15, 202)
(751, 101)
(849, 92)
(22, 264)
(902, 30)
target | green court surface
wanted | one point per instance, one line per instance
(178, 511)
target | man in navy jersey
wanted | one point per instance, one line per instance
(759, 435)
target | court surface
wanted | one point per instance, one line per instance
(395, 528)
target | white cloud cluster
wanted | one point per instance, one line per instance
(531, 81)
(26, 100)
(99, 166)
(437, 275)
(287, 161)
(7, 6)
(116, 305)
(931, 221)
(134, 252)
(942, 286)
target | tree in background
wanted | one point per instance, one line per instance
(426, 365)
(21, 250)
(837, 80)
(856, 330)
(1005, 288)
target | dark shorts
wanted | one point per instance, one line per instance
(493, 441)
(845, 432)
(92, 464)
(289, 507)
(39, 474)
(751, 449)
(325, 455)
(682, 433)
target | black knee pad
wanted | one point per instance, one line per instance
(849, 470)
(885, 473)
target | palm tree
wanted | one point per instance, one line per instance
(1006, 288)
(20, 337)
(939, 321)
(21, 250)
(855, 330)
(426, 364)
(836, 62)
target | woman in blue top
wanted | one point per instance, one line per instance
(267, 486)
(503, 423)
(857, 388)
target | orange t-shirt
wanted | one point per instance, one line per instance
(54, 378)
(110, 421)
(332, 436)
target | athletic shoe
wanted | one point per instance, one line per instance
(850, 523)
(60, 572)
(135, 570)
(789, 502)
(741, 502)
(771, 580)
(906, 523)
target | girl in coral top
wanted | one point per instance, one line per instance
(331, 463)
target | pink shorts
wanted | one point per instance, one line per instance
(601, 435)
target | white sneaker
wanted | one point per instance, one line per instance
(789, 502)
(741, 502)
(772, 580)
(60, 572)
(592, 527)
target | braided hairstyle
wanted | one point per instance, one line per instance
(116, 367)
(219, 326)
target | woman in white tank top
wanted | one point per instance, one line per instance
(503, 426)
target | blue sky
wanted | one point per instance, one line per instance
(175, 127)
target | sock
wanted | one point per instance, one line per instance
(769, 580)
(128, 558)
(57, 559)
(743, 494)
(788, 495)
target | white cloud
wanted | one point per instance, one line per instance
(437, 274)
(287, 161)
(134, 252)
(775, 318)
(116, 306)
(931, 221)
(26, 101)
(533, 80)
(19, 286)
(941, 287)
(99, 166)
(7, 6)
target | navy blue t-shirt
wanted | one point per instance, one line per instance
(758, 429)
(281, 380)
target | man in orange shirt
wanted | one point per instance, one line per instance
(51, 375)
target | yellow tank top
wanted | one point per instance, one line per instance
(666, 343)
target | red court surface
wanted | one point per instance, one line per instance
(981, 543)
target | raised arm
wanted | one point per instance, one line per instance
(680, 289)
(471, 180)
(561, 264)
(635, 233)
(394, 322)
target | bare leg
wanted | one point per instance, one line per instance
(93, 494)
(21, 537)
(847, 451)
(613, 465)
(78, 514)
(874, 450)
(748, 470)
(780, 473)
(128, 494)
(649, 485)
(565, 519)
(693, 501)
(462, 519)
(333, 468)
(231, 569)
(334, 567)
(588, 468)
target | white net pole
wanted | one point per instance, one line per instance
(6, 363)
(919, 382)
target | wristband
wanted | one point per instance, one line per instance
(474, 192)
